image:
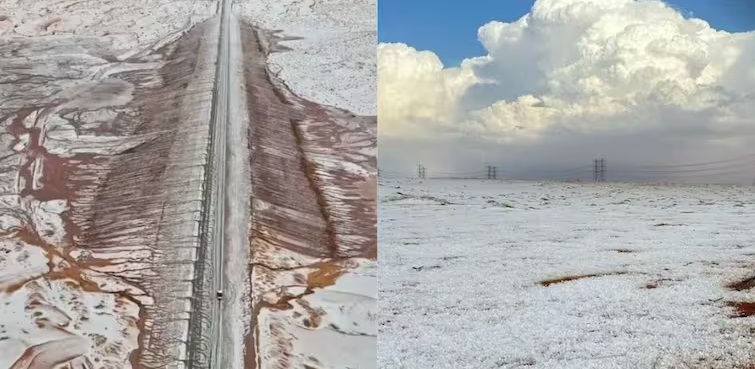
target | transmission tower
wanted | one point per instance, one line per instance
(491, 172)
(595, 170)
(599, 170)
(420, 171)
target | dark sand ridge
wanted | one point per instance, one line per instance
(314, 211)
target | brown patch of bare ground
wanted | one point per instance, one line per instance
(570, 278)
(742, 285)
(743, 309)
(325, 275)
(299, 206)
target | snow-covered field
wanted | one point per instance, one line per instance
(498, 274)
(333, 48)
(128, 26)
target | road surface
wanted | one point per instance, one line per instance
(220, 120)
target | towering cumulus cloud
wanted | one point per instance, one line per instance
(416, 92)
(583, 70)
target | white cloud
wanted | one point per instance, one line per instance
(415, 91)
(581, 66)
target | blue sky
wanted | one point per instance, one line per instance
(449, 27)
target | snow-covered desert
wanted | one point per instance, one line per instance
(509, 274)
(105, 180)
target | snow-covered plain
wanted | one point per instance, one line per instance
(129, 27)
(490, 274)
(333, 48)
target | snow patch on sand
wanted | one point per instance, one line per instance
(334, 326)
(135, 24)
(333, 52)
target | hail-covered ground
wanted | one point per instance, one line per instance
(503, 274)
(332, 48)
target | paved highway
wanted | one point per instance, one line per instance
(220, 125)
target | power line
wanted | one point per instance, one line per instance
(680, 171)
(724, 161)
(740, 165)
